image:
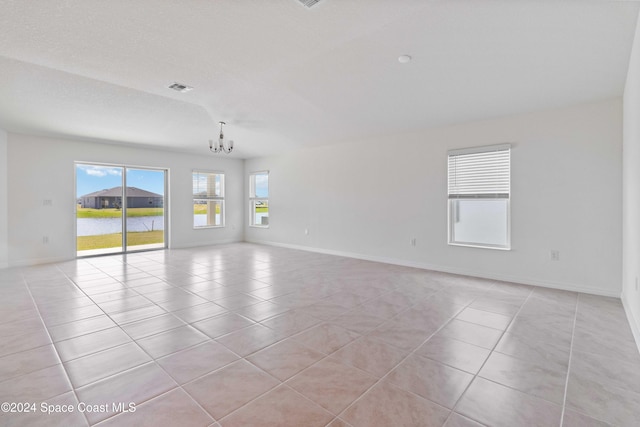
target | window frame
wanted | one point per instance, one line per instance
(220, 198)
(451, 199)
(253, 198)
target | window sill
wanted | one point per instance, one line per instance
(471, 245)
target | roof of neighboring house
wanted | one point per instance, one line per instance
(117, 192)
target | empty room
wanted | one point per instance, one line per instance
(331, 213)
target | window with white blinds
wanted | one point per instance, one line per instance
(479, 192)
(208, 199)
(482, 172)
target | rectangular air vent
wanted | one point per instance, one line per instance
(309, 3)
(180, 87)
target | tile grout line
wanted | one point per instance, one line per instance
(566, 383)
(489, 356)
(153, 360)
(119, 326)
(44, 325)
(381, 379)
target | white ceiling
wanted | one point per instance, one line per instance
(284, 76)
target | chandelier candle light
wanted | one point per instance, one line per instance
(220, 146)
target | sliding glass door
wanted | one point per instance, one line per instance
(119, 209)
(145, 218)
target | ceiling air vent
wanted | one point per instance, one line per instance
(309, 3)
(180, 87)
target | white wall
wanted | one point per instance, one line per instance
(369, 198)
(42, 168)
(3, 201)
(631, 191)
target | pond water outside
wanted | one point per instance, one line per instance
(97, 226)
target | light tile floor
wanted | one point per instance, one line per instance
(248, 335)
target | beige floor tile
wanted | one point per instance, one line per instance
(402, 335)
(345, 323)
(430, 379)
(222, 325)
(370, 355)
(602, 401)
(261, 311)
(457, 354)
(542, 378)
(291, 322)
(22, 363)
(91, 343)
(496, 405)
(137, 314)
(385, 405)
(281, 407)
(326, 337)
(136, 385)
(359, 321)
(285, 359)
(331, 385)
(249, 340)
(229, 388)
(35, 386)
(471, 333)
(485, 318)
(171, 341)
(200, 312)
(535, 350)
(174, 408)
(49, 415)
(152, 326)
(237, 301)
(96, 366)
(80, 327)
(457, 420)
(576, 419)
(197, 361)
(21, 342)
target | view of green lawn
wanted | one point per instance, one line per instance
(115, 240)
(102, 241)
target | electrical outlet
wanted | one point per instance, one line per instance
(413, 241)
(45, 239)
(47, 202)
(554, 255)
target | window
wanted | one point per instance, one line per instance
(208, 199)
(259, 199)
(479, 192)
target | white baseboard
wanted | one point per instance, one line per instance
(38, 261)
(216, 243)
(633, 321)
(445, 269)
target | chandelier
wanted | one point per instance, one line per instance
(220, 145)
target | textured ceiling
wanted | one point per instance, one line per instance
(283, 76)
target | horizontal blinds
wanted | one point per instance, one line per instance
(480, 174)
(207, 186)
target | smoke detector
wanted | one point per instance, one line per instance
(309, 3)
(179, 87)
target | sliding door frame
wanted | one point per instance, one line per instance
(165, 205)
